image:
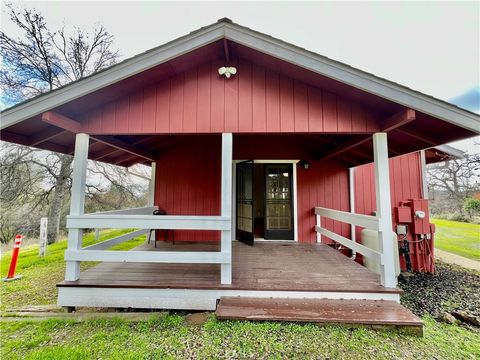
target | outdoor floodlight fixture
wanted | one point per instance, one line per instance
(227, 71)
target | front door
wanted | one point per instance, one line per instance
(278, 202)
(245, 202)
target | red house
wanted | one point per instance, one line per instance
(250, 139)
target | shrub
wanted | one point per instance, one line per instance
(472, 206)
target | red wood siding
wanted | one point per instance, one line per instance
(256, 100)
(188, 181)
(323, 184)
(405, 183)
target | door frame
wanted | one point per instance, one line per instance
(294, 193)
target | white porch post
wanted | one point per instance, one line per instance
(151, 185)
(384, 209)
(152, 235)
(226, 246)
(77, 202)
(423, 163)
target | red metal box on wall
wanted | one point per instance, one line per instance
(404, 215)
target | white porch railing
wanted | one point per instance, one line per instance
(382, 222)
(143, 219)
(366, 221)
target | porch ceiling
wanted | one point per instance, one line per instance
(315, 147)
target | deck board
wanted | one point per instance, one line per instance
(366, 312)
(275, 266)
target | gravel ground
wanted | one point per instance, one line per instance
(451, 288)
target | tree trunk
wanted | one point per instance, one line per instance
(58, 197)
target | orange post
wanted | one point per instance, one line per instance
(13, 262)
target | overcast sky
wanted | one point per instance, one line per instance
(433, 47)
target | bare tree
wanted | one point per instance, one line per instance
(41, 60)
(456, 179)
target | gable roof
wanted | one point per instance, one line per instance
(226, 29)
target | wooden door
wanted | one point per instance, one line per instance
(278, 202)
(244, 219)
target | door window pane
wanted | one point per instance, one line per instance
(278, 192)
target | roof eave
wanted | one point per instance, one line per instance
(353, 77)
(257, 41)
(111, 75)
(451, 151)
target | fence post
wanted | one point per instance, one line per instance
(43, 236)
(319, 224)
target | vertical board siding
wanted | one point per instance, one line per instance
(405, 183)
(188, 181)
(301, 107)
(272, 101)
(255, 100)
(149, 109)
(204, 94)
(323, 184)
(231, 102)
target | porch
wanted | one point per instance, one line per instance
(272, 269)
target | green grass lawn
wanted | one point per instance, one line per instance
(458, 238)
(171, 336)
(40, 275)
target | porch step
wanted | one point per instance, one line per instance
(365, 312)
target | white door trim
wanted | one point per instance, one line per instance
(294, 185)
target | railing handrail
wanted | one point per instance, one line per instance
(171, 222)
(143, 210)
(178, 257)
(103, 245)
(352, 245)
(366, 221)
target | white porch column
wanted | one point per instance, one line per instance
(151, 185)
(226, 246)
(384, 209)
(423, 163)
(151, 197)
(77, 202)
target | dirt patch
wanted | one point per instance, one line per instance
(198, 318)
(450, 258)
(450, 289)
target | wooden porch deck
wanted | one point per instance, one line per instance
(266, 266)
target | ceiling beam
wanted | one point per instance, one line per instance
(66, 123)
(127, 160)
(357, 152)
(45, 135)
(112, 150)
(347, 145)
(121, 145)
(61, 121)
(97, 156)
(24, 140)
(399, 119)
(421, 138)
(311, 143)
